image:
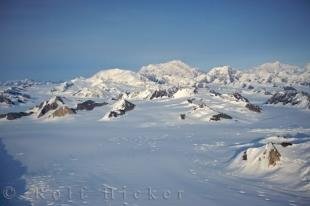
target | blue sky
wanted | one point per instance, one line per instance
(57, 40)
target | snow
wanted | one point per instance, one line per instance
(152, 148)
(293, 98)
(110, 83)
(119, 108)
(175, 73)
(144, 94)
(117, 76)
(257, 160)
(119, 105)
(106, 83)
(275, 72)
(224, 75)
(292, 168)
(184, 92)
(277, 139)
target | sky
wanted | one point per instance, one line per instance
(63, 39)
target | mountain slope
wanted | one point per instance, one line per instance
(224, 75)
(119, 76)
(175, 73)
(112, 83)
(106, 83)
(274, 73)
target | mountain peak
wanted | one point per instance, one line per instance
(117, 75)
(224, 74)
(177, 62)
(276, 67)
(221, 68)
(174, 72)
(169, 67)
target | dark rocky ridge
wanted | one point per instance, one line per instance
(59, 107)
(215, 93)
(164, 93)
(285, 144)
(253, 107)
(220, 116)
(190, 100)
(89, 105)
(45, 106)
(6, 100)
(15, 115)
(289, 97)
(289, 88)
(238, 97)
(13, 96)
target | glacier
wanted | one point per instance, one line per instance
(171, 142)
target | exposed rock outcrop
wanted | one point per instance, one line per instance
(15, 115)
(63, 111)
(220, 116)
(51, 104)
(244, 156)
(6, 100)
(119, 108)
(289, 88)
(285, 144)
(253, 107)
(89, 105)
(182, 116)
(238, 97)
(267, 92)
(159, 93)
(15, 91)
(13, 96)
(257, 160)
(54, 107)
(292, 97)
(267, 156)
(215, 93)
(116, 113)
(164, 93)
(273, 156)
(190, 100)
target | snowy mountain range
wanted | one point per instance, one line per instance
(163, 80)
(178, 74)
(229, 126)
